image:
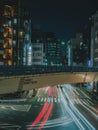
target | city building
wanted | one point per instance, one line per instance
(94, 40)
(76, 51)
(52, 49)
(63, 54)
(46, 48)
(38, 53)
(69, 53)
(37, 44)
(27, 52)
(14, 33)
(87, 42)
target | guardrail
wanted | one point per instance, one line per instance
(38, 69)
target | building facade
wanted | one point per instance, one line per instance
(37, 44)
(87, 42)
(38, 53)
(77, 51)
(46, 48)
(13, 32)
(52, 49)
(94, 40)
(27, 45)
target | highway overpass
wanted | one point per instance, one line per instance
(18, 83)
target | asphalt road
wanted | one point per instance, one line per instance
(83, 103)
(53, 108)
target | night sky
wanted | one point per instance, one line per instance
(63, 17)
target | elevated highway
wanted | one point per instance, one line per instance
(19, 78)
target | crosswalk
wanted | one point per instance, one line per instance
(49, 99)
(58, 100)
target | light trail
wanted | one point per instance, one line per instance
(52, 91)
(44, 113)
(87, 104)
(39, 117)
(71, 113)
(49, 92)
(90, 109)
(46, 116)
(56, 122)
(76, 111)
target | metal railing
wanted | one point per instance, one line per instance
(38, 69)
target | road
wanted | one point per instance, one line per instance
(51, 109)
(83, 102)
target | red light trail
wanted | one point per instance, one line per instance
(39, 117)
(44, 113)
(52, 91)
(46, 116)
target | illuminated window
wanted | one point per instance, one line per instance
(21, 34)
(14, 32)
(10, 51)
(37, 40)
(4, 56)
(9, 23)
(10, 41)
(80, 36)
(96, 38)
(10, 62)
(5, 34)
(7, 10)
(81, 43)
(10, 31)
(5, 45)
(15, 21)
(14, 42)
(63, 43)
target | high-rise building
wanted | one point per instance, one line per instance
(14, 33)
(27, 45)
(87, 42)
(69, 53)
(46, 48)
(77, 51)
(38, 53)
(63, 52)
(94, 40)
(52, 49)
(37, 44)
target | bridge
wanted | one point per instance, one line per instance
(19, 78)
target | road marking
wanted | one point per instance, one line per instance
(38, 99)
(42, 99)
(24, 108)
(9, 126)
(45, 99)
(49, 99)
(7, 107)
(55, 100)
